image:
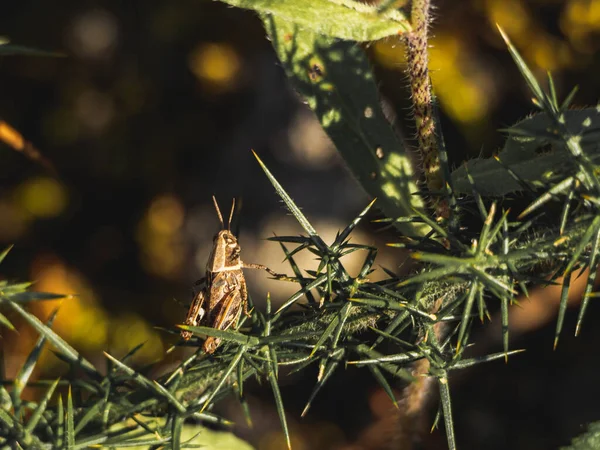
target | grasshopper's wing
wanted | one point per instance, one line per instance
(228, 310)
(225, 315)
(221, 285)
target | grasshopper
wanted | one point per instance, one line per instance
(223, 292)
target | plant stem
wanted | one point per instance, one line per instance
(420, 84)
(411, 417)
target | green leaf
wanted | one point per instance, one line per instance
(384, 384)
(532, 153)
(225, 375)
(240, 393)
(70, 422)
(464, 363)
(133, 351)
(291, 239)
(329, 369)
(152, 386)
(283, 338)
(7, 49)
(466, 320)
(305, 288)
(344, 19)
(553, 97)
(7, 289)
(192, 436)
(590, 440)
(5, 322)
(41, 407)
(280, 408)
(346, 232)
(176, 429)
(301, 218)
(504, 325)
(226, 335)
(60, 423)
(326, 334)
(550, 194)
(589, 285)
(26, 369)
(572, 142)
(394, 305)
(399, 319)
(7, 419)
(5, 252)
(562, 308)
(401, 358)
(92, 412)
(527, 74)
(211, 439)
(297, 271)
(569, 98)
(31, 296)
(61, 345)
(335, 79)
(447, 410)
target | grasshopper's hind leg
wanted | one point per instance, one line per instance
(244, 295)
(195, 313)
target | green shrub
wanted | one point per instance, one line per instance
(472, 246)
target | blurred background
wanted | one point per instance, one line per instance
(155, 108)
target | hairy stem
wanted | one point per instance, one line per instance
(420, 85)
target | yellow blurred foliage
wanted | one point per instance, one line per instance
(549, 53)
(390, 53)
(159, 237)
(42, 197)
(129, 330)
(463, 98)
(581, 18)
(511, 15)
(539, 48)
(165, 215)
(80, 320)
(464, 85)
(10, 136)
(216, 64)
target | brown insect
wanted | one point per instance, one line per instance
(223, 292)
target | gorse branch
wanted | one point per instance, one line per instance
(478, 249)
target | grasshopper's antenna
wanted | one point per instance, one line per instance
(231, 214)
(218, 212)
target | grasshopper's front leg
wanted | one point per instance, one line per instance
(279, 276)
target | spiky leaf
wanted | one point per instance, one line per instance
(532, 151)
(345, 19)
(335, 79)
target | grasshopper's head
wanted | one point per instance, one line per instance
(226, 250)
(226, 244)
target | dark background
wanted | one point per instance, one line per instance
(155, 108)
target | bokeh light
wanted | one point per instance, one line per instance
(216, 64)
(155, 109)
(42, 197)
